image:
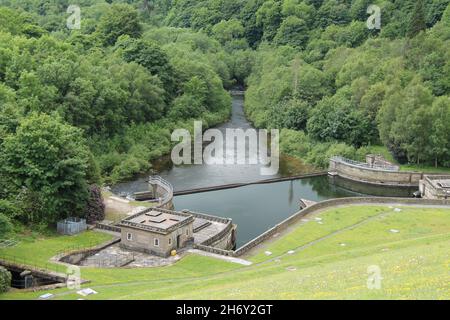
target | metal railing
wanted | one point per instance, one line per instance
(166, 185)
(365, 165)
(30, 263)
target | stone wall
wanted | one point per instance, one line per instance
(430, 190)
(225, 239)
(107, 227)
(374, 175)
(144, 241)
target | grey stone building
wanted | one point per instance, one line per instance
(157, 231)
(435, 187)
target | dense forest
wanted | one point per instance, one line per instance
(82, 107)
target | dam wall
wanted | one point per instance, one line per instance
(376, 174)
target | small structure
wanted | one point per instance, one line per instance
(157, 231)
(378, 161)
(71, 226)
(160, 192)
(435, 187)
(304, 203)
(375, 170)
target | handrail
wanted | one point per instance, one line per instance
(365, 165)
(165, 185)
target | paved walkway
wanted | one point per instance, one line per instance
(221, 257)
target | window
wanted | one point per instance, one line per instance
(129, 236)
(156, 242)
(170, 241)
(187, 232)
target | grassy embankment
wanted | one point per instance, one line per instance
(408, 167)
(330, 261)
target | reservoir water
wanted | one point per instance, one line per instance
(254, 208)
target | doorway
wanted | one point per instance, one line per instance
(178, 241)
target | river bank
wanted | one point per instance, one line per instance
(185, 177)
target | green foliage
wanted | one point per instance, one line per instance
(336, 118)
(290, 114)
(19, 23)
(332, 12)
(417, 22)
(5, 224)
(136, 71)
(120, 19)
(150, 55)
(5, 279)
(47, 159)
(227, 31)
(300, 145)
(268, 17)
(293, 31)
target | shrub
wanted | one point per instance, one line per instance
(5, 279)
(5, 225)
(95, 209)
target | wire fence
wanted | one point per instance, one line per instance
(72, 249)
(41, 264)
(32, 263)
(110, 261)
(71, 226)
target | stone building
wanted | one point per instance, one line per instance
(435, 187)
(157, 231)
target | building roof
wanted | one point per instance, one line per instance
(157, 220)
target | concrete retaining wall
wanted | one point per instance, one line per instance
(37, 272)
(77, 256)
(209, 249)
(374, 175)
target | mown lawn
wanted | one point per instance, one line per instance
(330, 261)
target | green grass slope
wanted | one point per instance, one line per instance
(331, 260)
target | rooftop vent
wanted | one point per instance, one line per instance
(153, 214)
(158, 220)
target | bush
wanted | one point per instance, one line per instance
(95, 209)
(5, 279)
(5, 225)
(129, 168)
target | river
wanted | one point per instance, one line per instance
(254, 208)
(185, 177)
